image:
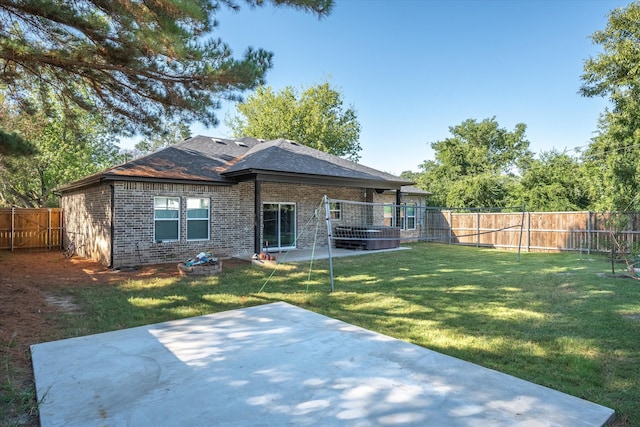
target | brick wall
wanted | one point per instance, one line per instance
(230, 226)
(308, 199)
(419, 201)
(87, 221)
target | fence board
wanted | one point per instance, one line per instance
(30, 228)
(541, 231)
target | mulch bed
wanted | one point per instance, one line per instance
(27, 281)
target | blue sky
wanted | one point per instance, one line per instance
(414, 68)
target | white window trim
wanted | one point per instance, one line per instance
(208, 219)
(333, 211)
(391, 217)
(407, 216)
(404, 217)
(155, 239)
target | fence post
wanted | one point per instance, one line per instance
(61, 229)
(524, 209)
(49, 229)
(477, 229)
(13, 226)
(588, 232)
(528, 231)
(450, 227)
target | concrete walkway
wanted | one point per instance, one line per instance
(276, 365)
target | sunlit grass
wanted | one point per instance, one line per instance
(156, 302)
(553, 319)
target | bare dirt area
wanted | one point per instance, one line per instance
(28, 283)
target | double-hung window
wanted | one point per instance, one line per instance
(166, 213)
(389, 216)
(407, 214)
(197, 218)
(410, 216)
(335, 210)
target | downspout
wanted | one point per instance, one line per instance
(113, 228)
(257, 199)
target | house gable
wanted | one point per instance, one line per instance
(235, 176)
(206, 160)
(291, 161)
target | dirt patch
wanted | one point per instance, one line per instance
(30, 284)
(62, 303)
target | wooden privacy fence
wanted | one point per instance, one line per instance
(533, 231)
(30, 228)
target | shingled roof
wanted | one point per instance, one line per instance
(222, 161)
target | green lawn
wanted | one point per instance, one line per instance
(553, 319)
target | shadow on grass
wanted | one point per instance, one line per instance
(549, 318)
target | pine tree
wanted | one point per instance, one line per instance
(138, 63)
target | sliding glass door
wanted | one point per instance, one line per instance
(279, 226)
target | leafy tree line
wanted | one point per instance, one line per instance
(484, 165)
(76, 75)
(62, 152)
(65, 151)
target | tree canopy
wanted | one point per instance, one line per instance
(553, 182)
(316, 118)
(478, 147)
(474, 167)
(174, 132)
(615, 72)
(63, 152)
(136, 63)
(613, 157)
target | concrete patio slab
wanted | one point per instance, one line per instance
(278, 364)
(299, 255)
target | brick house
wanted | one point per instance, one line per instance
(227, 196)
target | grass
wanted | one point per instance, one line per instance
(17, 401)
(553, 319)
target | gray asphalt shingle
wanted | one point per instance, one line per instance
(224, 161)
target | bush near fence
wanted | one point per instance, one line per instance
(22, 228)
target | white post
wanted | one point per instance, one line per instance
(327, 211)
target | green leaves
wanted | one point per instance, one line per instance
(616, 70)
(316, 118)
(614, 154)
(474, 167)
(136, 63)
(174, 132)
(482, 147)
(554, 182)
(64, 150)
